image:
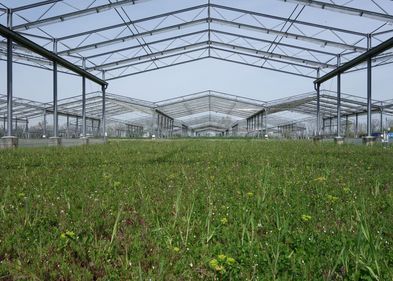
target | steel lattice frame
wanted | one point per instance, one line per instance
(131, 46)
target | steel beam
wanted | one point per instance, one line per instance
(372, 52)
(137, 21)
(34, 5)
(161, 67)
(276, 43)
(274, 55)
(263, 67)
(72, 15)
(296, 36)
(147, 56)
(294, 21)
(123, 39)
(15, 37)
(343, 9)
(146, 44)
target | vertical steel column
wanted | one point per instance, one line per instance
(338, 99)
(77, 126)
(68, 127)
(55, 113)
(381, 121)
(369, 89)
(318, 88)
(92, 127)
(103, 122)
(4, 124)
(266, 132)
(27, 129)
(356, 125)
(208, 27)
(346, 125)
(9, 77)
(44, 125)
(318, 108)
(84, 100)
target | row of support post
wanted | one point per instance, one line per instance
(162, 125)
(10, 140)
(130, 131)
(258, 122)
(369, 139)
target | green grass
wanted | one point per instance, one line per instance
(197, 209)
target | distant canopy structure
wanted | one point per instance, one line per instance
(310, 39)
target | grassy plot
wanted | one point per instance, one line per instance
(197, 209)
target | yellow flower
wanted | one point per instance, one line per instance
(231, 261)
(222, 257)
(306, 217)
(176, 249)
(67, 234)
(219, 268)
(224, 221)
(250, 194)
(347, 189)
(332, 198)
(213, 263)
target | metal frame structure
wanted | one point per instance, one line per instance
(125, 44)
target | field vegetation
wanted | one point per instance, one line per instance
(197, 209)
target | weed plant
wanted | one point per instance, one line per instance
(196, 209)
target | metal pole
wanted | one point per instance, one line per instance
(208, 26)
(44, 125)
(318, 108)
(369, 65)
(55, 114)
(318, 104)
(27, 129)
(84, 100)
(266, 123)
(338, 99)
(68, 126)
(357, 125)
(77, 127)
(346, 125)
(9, 87)
(381, 121)
(103, 107)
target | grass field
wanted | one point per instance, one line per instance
(197, 209)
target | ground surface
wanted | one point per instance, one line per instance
(185, 210)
